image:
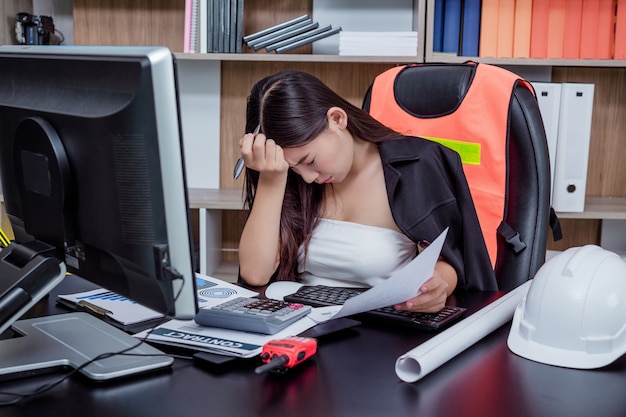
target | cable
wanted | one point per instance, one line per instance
(50, 385)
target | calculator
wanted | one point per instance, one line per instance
(255, 315)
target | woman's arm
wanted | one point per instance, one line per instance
(259, 254)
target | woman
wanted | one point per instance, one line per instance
(337, 198)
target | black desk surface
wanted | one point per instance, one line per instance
(352, 375)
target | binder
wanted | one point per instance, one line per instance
(606, 29)
(556, 28)
(572, 152)
(452, 26)
(470, 29)
(438, 26)
(489, 29)
(620, 32)
(573, 22)
(539, 30)
(506, 24)
(589, 26)
(549, 100)
(522, 28)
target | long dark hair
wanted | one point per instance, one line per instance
(290, 107)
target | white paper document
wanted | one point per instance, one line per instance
(401, 286)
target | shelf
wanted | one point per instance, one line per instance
(600, 208)
(434, 57)
(613, 208)
(215, 199)
(263, 57)
(599, 63)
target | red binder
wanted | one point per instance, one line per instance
(620, 31)
(539, 30)
(573, 22)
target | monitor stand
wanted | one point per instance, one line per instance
(72, 339)
(63, 340)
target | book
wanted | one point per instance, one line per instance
(573, 21)
(360, 16)
(522, 28)
(488, 46)
(506, 25)
(539, 30)
(378, 43)
(452, 26)
(556, 28)
(470, 28)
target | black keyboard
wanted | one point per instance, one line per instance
(322, 296)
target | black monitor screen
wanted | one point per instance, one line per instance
(92, 168)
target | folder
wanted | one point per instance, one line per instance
(470, 29)
(522, 28)
(556, 28)
(620, 31)
(438, 26)
(539, 30)
(573, 22)
(506, 23)
(589, 26)
(572, 152)
(549, 100)
(489, 29)
(606, 29)
(452, 26)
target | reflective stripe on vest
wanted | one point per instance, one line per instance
(477, 130)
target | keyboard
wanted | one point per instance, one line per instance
(321, 296)
(255, 315)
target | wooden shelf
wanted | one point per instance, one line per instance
(263, 57)
(601, 208)
(432, 57)
(215, 199)
(597, 63)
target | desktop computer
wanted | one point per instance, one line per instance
(93, 179)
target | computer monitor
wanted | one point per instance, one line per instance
(93, 175)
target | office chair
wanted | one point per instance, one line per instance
(491, 117)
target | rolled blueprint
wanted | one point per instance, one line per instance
(428, 356)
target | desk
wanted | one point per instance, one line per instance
(351, 376)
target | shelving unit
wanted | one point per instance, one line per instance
(160, 22)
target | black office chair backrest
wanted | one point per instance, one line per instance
(427, 91)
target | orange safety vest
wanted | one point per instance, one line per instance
(477, 130)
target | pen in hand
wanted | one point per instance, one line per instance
(240, 164)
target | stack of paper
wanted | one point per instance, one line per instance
(378, 43)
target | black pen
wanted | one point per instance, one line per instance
(240, 164)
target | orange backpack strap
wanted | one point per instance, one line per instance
(477, 130)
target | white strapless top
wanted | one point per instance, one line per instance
(349, 254)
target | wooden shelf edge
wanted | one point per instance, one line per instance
(448, 58)
(216, 199)
(262, 57)
(602, 208)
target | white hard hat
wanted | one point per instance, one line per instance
(574, 314)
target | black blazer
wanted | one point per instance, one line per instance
(428, 192)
